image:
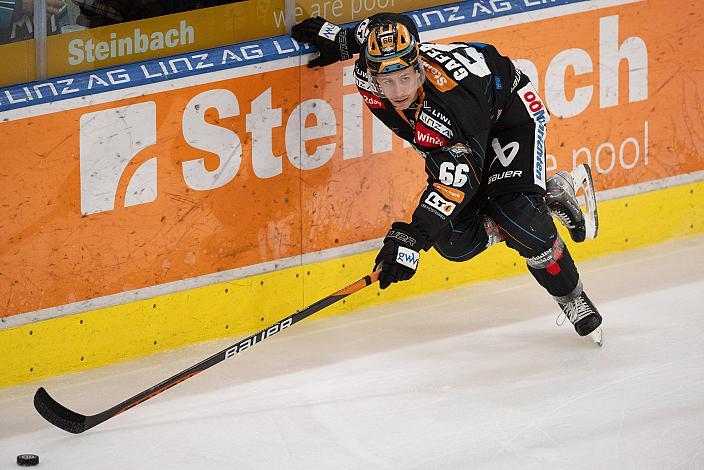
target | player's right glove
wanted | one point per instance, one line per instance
(400, 254)
(333, 42)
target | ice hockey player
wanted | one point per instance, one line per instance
(480, 126)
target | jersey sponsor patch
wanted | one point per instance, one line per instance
(535, 107)
(438, 202)
(460, 150)
(434, 124)
(426, 137)
(372, 100)
(452, 194)
(437, 76)
(361, 79)
(407, 257)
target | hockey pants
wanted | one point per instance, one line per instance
(527, 227)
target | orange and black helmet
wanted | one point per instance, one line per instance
(390, 47)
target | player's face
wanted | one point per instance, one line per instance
(401, 88)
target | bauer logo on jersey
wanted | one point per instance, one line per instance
(540, 115)
(505, 175)
(426, 137)
(438, 202)
(500, 151)
(436, 125)
(371, 100)
(329, 31)
(407, 257)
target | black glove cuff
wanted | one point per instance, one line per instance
(406, 235)
(346, 43)
(353, 44)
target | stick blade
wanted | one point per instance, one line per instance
(57, 414)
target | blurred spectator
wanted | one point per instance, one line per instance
(17, 18)
(96, 13)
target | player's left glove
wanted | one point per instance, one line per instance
(333, 42)
(400, 254)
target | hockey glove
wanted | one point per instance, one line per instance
(400, 254)
(333, 42)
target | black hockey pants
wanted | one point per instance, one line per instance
(527, 227)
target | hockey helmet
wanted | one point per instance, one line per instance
(391, 47)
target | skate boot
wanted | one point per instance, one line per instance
(492, 232)
(584, 316)
(561, 199)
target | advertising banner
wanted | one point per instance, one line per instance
(233, 157)
(90, 49)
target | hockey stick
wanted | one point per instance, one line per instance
(76, 423)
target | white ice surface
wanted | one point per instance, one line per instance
(472, 378)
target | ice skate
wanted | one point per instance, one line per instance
(584, 316)
(561, 198)
(492, 232)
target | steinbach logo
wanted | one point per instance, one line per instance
(429, 138)
(438, 77)
(109, 140)
(452, 194)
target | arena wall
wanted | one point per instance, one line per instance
(208, 194)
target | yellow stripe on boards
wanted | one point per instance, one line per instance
(236, 308)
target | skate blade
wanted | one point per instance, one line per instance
(582, 177)
(598, 337)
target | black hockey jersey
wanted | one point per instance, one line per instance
(466, 86)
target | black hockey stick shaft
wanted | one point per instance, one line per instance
(76, 423)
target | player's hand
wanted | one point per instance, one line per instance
(331, 40)
(400, 254)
